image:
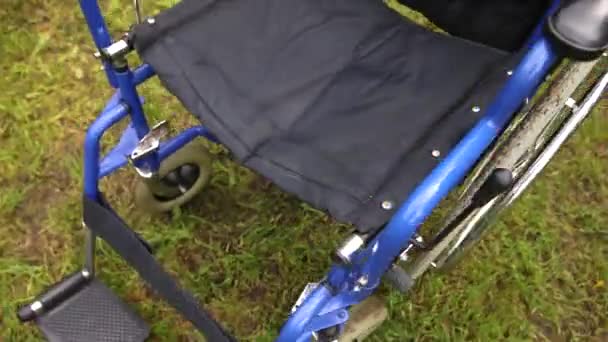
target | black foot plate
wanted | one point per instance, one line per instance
(93, 314)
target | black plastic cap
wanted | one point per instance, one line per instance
(26, 314)
(499, 181)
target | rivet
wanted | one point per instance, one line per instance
(510, 72)
(36, 306)
(476, 109)
(387, 205)
(436, 153)
(570, 102)
(151, 21)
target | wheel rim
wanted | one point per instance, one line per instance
(181, 178)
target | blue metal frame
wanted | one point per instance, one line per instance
(339, 289)
(126, 101)
(327, 305)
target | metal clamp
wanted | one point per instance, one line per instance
(150, 143)
(116, 53)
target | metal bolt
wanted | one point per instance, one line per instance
(387, 205)
(342, 314)
(36, 306)
(476, 109)
(151, 21)
(348, 248)
(510, 72)
(362, 280)
(436, 153)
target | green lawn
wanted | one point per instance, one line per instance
(246, 248)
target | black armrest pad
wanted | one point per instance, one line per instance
(580, 28)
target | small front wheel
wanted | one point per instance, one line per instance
(183, 175)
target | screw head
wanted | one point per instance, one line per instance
(387, 205)
(476, 109)
(510, 72)
(436, 153)
(151, 21)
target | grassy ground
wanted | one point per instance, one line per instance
(245, 247)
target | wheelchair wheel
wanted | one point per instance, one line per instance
(183, 174)
(365, 318)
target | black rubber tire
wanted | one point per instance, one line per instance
(194, 153)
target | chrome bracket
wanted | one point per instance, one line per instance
(307, 291)
(116, 53)
(150, 143)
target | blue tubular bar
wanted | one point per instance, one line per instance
(99, 31)
(142, 73)
(382, 251)
(183, 138)
(166, 149)
(131, 98)
(110, 116)
(295, 328)
(526, 78)
(540, 28)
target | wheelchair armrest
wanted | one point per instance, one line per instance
(580, 28)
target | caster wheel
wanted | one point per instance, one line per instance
(183, 174)
(365, 318)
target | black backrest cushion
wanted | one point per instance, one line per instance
(503, 24)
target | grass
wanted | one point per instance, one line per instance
(246, 248)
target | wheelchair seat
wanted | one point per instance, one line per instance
(344, 103)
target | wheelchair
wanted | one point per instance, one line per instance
(351, 107)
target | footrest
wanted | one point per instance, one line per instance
(92, 313)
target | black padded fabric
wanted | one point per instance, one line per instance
(338, 101)
(504, 24)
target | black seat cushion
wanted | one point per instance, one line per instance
(504, 24)
(338, 101)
